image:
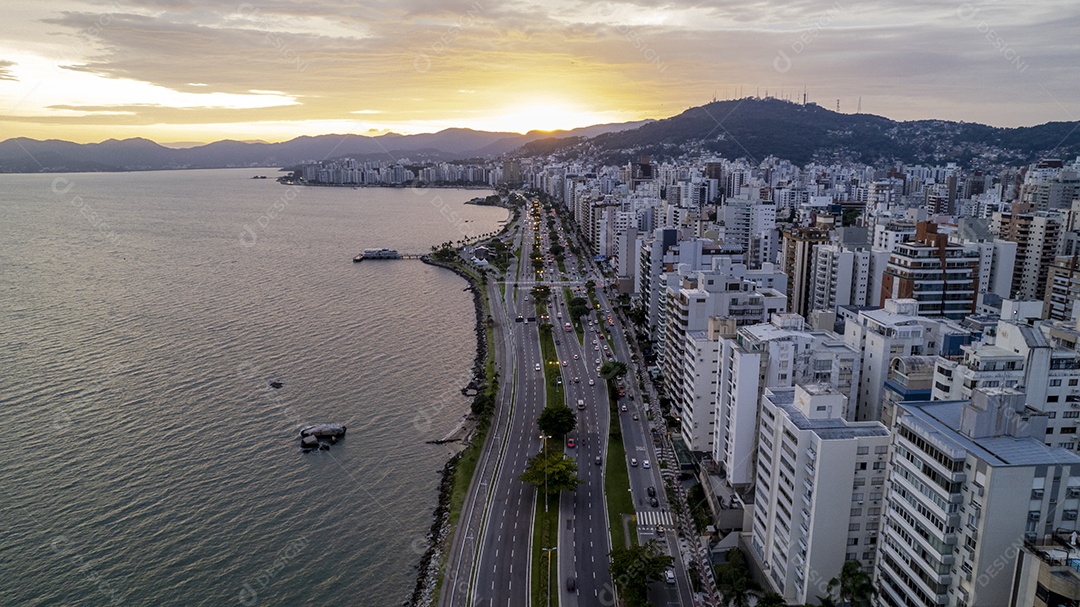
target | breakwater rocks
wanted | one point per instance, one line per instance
(427, 577)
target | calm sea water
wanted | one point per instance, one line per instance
(145, 458)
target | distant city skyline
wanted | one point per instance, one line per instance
(201, 71)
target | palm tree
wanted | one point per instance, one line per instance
(854, 585)
(734, 581)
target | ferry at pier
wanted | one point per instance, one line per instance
(382, 253)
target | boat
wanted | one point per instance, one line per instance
(382, 253)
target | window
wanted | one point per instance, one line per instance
(860, 465)
(856, 497)
(853, 541)
(876, 495)
(853, 527)
(879, 465)
(1066, 430)
(1055, 382)
(1070, 414)
(1072, 382)
(862, 450)
(856, 512)
(1068, 515)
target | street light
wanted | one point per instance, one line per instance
(549, 551)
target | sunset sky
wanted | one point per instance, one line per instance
(204, 70)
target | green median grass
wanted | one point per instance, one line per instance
(545, 535)
(617, 483)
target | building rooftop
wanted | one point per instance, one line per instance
(941, 418)
(835, 428)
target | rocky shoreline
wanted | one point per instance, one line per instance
(428, 569)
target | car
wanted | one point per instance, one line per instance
(598, 361)
(651, 491)
(558, 381)
(537, 367)
(623, 409)
(596, 348)
(654, 503)
(599, 460)
(577, 380)
(592, 382)
(660, 529)
(633, 461)
(636, 417)
(575, 357)
(571, 584)
(570, 442)
(565, 362)
(669, 576)
(645, 463)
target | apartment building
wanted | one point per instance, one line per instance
(968, 483)
(817, 492)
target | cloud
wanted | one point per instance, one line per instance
(5, 70)
(439, 61)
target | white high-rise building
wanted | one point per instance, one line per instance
(842, 276)
(969, 482)
(884, 334)
(817, 479)
(727, 292)
(1019, 356)
(777, 354)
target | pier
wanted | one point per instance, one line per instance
(385, 254)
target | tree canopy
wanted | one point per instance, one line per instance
(552, 470)
(557, 420)
(612, 369)
(633, 568)
(734, 581)
(853, 586)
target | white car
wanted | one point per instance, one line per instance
(537, 367)
(592, 382)
(644, 463)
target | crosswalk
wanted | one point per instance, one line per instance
(650, 518)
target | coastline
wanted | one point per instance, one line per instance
(427, 577)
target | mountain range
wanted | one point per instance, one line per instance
(757, 128)
(750, 128)
(23, 155)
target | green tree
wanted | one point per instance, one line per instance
(557, 420)
(633, 568)
(541, 294)
(612, 369)
(552, 471)
(579, 306)
(853, 586)
(771, 599)
(734, 581)
(556, 249)
(544, 329)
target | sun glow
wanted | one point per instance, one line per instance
(554, 116)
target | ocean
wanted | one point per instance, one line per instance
(146, 458)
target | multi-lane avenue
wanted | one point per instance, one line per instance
(490, 558)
